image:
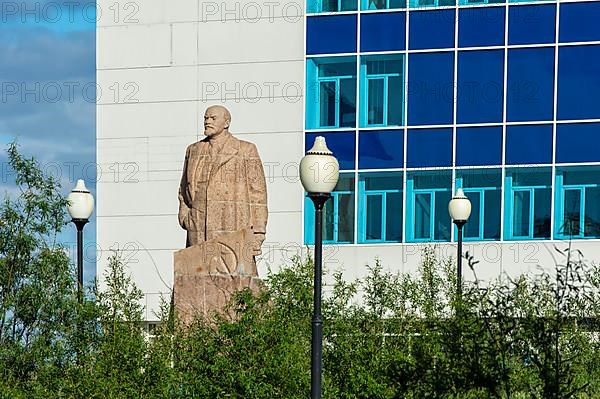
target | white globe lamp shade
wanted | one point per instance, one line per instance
(319, 169)
(81, 202)
(459, 207)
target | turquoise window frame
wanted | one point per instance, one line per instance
(316, 7)
(337, 80)
(560, 229)
(365, 5)
(476, 3)
(363, 193)
(509, 195)
(531, 217)
(524, 1)
(436, 3)
(559, 211)
(313, 91)
(309, 220)
(334, 201)
(410, 216)
(482, 191)
(365, 78)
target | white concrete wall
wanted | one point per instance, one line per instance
(496, 259)
(160, 64)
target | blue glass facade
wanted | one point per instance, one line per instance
(417, 98)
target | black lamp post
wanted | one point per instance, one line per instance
(81, 206)
(319, 173)
(460, 210)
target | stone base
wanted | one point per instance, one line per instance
(208, 294)
(208, 274)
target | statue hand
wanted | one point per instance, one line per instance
(259, 238)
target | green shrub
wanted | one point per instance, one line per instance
(387, 335)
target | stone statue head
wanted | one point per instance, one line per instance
(216, 120)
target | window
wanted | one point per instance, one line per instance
(480, 92)
(331, 92)
(475, 2)
(483, 188)
(380, 207)
(431, 88)
(431, 3)
(430, 29)
(522, 1)
(578, 82)
(317, 6)
(383, 31)
(527, 202)
(530, 90)
(477, 146)
(382, 4)
(577, 142)
(382, 91)
(532, 24)
(579, 22)
(428, 148)
(428, 195)
(481, 26)
(379, 149)
(342, 144)
(331, 34)
(520, 139)
(338, 214)
(577, 202)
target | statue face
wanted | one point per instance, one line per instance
(215, 121)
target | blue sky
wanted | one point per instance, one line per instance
(47, 82)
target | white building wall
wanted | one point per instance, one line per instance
(160, 64)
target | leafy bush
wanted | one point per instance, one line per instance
(385, 336)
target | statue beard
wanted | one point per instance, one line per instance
(213, 133)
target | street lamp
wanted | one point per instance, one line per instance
(81, 205)
(319, 173)
(460, 210)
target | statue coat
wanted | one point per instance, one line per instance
(222, 192)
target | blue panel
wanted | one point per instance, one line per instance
(579, 82)
(528, 144)
(579, 22)
(431, 88)
(381, 149)
(429, 148)
(481, 26)
(479, 146)
(331, 34)
(532, 24)
(431, 29)
(382, 32)
(530, 92)
(480, 86)
(342, 144)
(578, 142)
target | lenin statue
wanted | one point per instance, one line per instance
(223, 207)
